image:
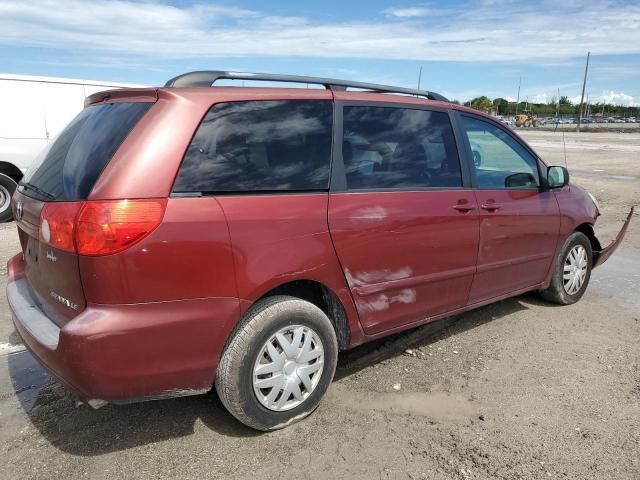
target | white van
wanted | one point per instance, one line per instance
(32, 112)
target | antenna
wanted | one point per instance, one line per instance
(564, 144)
(419, 76)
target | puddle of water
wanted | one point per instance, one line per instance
(23, 377)
(618, 279)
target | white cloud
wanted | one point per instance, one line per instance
(607, 96)
(616, 98)
(407, 12)
(539, 98)
(475, 32)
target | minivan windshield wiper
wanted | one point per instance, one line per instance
(38, 190)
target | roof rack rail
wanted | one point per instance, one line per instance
(208, 78)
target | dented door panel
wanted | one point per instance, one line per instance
(406, 255)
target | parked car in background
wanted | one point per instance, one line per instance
(33, 110)
(180, 238)
(508, 121)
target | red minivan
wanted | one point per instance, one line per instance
(188, 236)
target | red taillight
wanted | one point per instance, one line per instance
(99, 227)
(57, 224)
(105, 227)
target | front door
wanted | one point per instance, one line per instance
(404, 226)
(519, 221)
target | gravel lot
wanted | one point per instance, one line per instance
(517, 390)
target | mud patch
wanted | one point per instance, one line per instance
(439, 407)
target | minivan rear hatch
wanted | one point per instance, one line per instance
(54, 191)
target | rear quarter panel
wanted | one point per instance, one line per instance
(278, 239)
(188, 256)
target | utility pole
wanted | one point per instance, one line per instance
(557, 111)
(587, 107)
(518, 99)
(584, 84)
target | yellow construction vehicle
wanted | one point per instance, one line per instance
(526, 119)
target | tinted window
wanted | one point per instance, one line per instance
(387, 147)
(260, 146)
(499, 160)
(69, 167)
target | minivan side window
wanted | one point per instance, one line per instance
(499, 160)
(391, 147)
(254, 146)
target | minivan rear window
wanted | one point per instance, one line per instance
(69, 167)
(260, 146)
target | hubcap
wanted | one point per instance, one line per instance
(575, 270)
(288, 368)
(5, 199)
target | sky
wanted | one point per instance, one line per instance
(466, 48)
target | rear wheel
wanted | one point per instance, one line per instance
(572, 271)
(7, 187)
(278, 364)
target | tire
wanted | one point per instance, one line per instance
(236, 371)
(7, 187)
(564, 293)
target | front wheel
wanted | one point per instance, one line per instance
(572, 271)
(278, 364)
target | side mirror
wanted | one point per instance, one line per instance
(557, 177)
(520, 180)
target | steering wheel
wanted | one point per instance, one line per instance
(477, 158)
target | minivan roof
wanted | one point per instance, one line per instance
(237, 93)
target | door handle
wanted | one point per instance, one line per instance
(464, 208)
(491, 207)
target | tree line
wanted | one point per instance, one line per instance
(564, 107)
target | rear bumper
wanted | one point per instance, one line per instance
(122, 353)
(600, 257)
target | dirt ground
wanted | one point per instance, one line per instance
(516, 390)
